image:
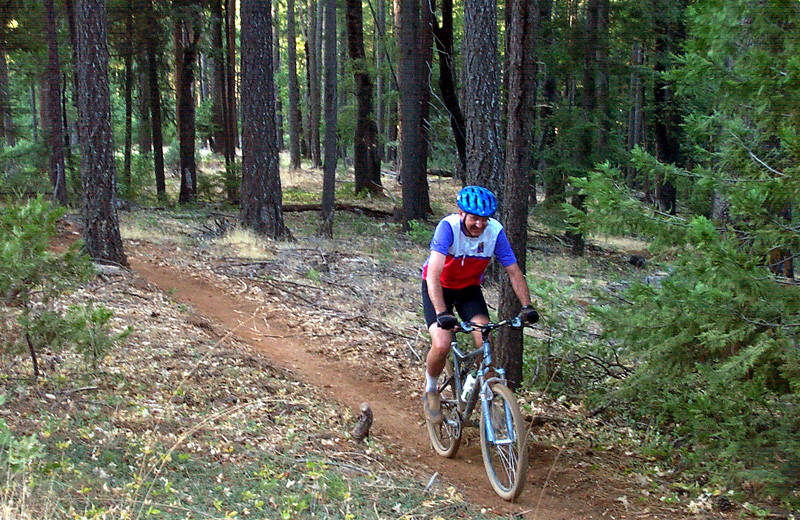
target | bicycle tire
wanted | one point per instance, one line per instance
(506, 459)
(446, 437)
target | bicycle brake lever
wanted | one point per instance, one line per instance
(516, 322)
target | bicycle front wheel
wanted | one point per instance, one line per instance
(446, 437)
(503, 442)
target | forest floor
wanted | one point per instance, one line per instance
(341, 318)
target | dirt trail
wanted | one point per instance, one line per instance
(559, 488)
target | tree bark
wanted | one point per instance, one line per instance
(412, 159)
(128, 57)
(277, 63)
(53, 124)
(520, 52)
(593, 140)
(330, 151)
(232, 110)
(443, 37)
(314, 97)
(669, 35)
(294, 89)
(367, 166)
(187, 37)
(151, 45)
(261, 183)
(218, 96)
(101, 228)
(6, 123)
(380, 48)
(482, 101)
(145, 128)
(636, 116)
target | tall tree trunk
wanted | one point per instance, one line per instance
(592, 140)
(53, 124)
(367, 166)
(553, 186)
(67, 129)
(636, 117)
(218, 134)
(151, 45)
(128, 57)
(232, 109)
(73, 41)
(294, 89)
(261, 208)
(314, 98)
(330, 151)
(101, 228)
(6, 123)
(344, 93)
(519, 143)
(34, 113)
(443, 37)
(380, 44)
(187, 37)
(670, 33)
(277, 61)
(145, 127)
(427, 22)
(412, 159)
(482, 103)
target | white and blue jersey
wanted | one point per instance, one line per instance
(467, 257)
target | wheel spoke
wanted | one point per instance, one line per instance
(504, 446)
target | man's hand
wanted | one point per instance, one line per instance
(446, 321)
(529, 314)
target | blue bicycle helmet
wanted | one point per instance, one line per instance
(477, 201)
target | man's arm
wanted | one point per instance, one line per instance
(434, 271)
(518, 283)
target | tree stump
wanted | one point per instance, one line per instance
(361, 430)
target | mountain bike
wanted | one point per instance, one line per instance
(469, 379)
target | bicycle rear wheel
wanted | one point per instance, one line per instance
(505, 453)
(446, 437)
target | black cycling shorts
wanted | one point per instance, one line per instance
(468, 302)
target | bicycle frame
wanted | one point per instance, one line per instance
(501, 427)
(463, 360)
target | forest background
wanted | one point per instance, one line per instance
(675, 122)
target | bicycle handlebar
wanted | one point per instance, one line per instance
(469, 326)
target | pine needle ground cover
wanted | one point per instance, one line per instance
(180, 422)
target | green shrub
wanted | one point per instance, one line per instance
(91, 333)
(33, 277)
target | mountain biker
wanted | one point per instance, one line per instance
(461, 248)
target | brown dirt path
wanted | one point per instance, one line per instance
(559, 487)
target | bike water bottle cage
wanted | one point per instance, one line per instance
(477, 201)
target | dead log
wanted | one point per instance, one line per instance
(361, 431)
(440, 173)
(372, 212)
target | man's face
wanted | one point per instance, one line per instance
(473, 224)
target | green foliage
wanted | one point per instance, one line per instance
(91, 334)
(23, 168)
(18, 454)
(714, 340)
(27, 265)
(568, 362)
(32, 277)
(419, 232)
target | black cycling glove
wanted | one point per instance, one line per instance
(446, 321)
(529, 314)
